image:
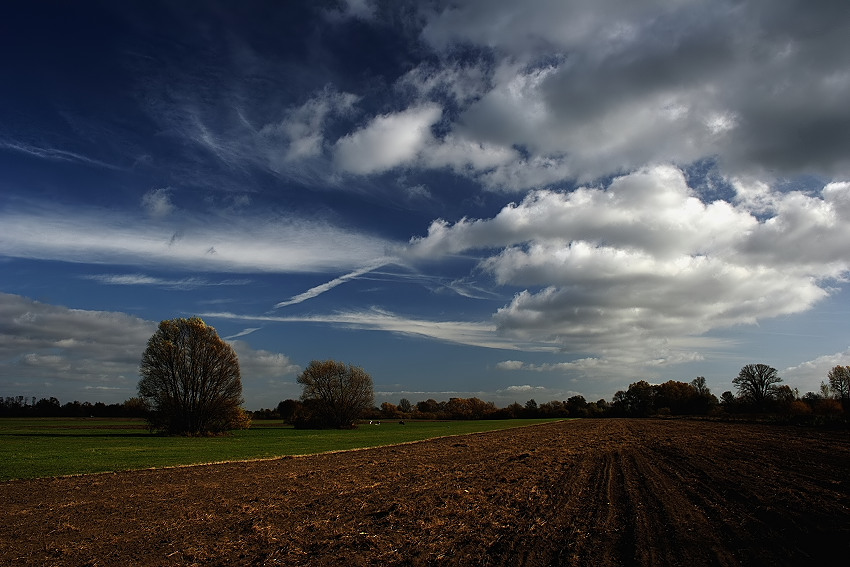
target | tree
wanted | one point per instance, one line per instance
(756, 384)
(389, 411)
(287, 409)
(839, 383)
(404, 405)
(637, 401)
(429, 406)
(335, 394)
(700, 386)
(190, 379)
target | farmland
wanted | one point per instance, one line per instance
(584, 492)
(39, 447)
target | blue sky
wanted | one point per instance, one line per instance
(473, 198)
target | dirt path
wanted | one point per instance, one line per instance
(588, 492)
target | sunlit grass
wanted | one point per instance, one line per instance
(31, 448)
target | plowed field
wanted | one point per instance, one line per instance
(586, 492)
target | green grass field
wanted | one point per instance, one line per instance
(44, 447)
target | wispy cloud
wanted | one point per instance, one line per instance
(320, 289)
(243, 333)
(53, 154)
(182, 283)
(225, 243)
(460, 332)
(157, 202)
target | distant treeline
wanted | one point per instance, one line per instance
(641, 399)
(21, 406)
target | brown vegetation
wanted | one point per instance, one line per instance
(586, 492)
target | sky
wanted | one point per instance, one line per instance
(482, 198)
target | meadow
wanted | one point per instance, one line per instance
(46, 447)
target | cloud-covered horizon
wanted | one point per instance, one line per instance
(77, 354)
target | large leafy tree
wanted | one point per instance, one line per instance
(335, 394)
(757, 384)
(190, 379)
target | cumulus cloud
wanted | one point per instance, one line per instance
(808, 375)
(573, 90)
(301, 132)
(509, 365)
(645, 262)
(387, 141)
(47, 350)
(594, 87)
(267, 377)
(75, 354)
(522, 388)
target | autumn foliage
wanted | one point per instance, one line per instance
(190, 379)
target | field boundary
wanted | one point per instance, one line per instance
(284, 457)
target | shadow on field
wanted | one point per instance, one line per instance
(64, 435)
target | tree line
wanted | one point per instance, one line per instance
(190, 384)
(21, 406)
(759, 390)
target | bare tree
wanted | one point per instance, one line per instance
(756, 384)
(190, 379)
(335, 394)
(700, 386)
(839, 383)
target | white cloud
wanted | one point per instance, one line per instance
(388, 141)
(267, 377)
(74, 354)
(182, 283)
(301, 132)
(510, 365)
(580, 364)
(327, 286)
(466, 155)
(594, 87)
(460, 83)
(571, 90)
(52, 154)
(523, 388)
(242, 333)
(47, 350)
(644, 264)
(208, 242)
(157, 202)
(808, 375)
(469, 333)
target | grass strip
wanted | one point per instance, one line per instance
(46, 447)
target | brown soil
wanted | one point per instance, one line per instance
(588, 492)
